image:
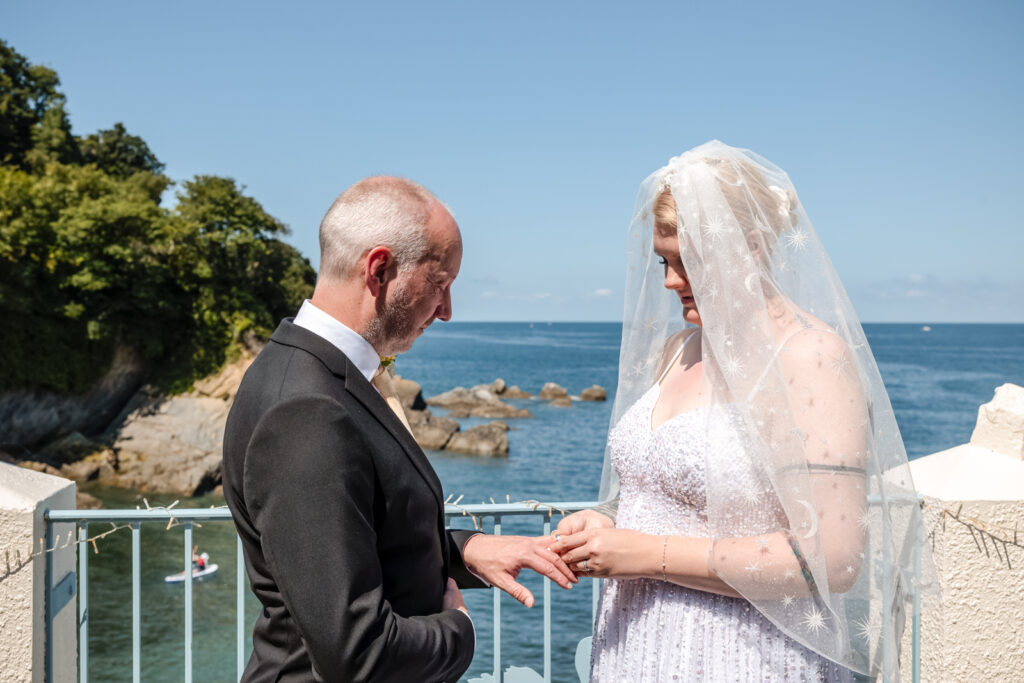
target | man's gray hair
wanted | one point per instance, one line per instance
(378, 211)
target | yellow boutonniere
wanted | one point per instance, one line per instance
(386, 361)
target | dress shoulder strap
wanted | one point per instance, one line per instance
(677, 354)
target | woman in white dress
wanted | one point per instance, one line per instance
(761, 521)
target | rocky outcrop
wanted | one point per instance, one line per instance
(99, 465)
(514, 392)
(409, 393)
(552, 391)
(489, 439)
(480, 401)
(443, 433)
(161, 444)
(561, 402)
(172, 445)
(431, 432)
(31, 418)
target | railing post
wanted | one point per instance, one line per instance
(136, 603)
(134, 519)
(48, 602)
(498, 675)
(188, 602)
(83, 602)
(547, 613)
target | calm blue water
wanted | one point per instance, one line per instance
(936, 381)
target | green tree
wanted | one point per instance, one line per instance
(27, 93)
(241, 276)
(82, 256)
(119, 153)
(89, 260)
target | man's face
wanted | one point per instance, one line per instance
(422, 293)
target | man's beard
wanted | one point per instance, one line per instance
(393, 331)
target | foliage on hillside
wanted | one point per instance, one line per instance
(89, 259)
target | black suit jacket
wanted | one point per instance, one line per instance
(342, 524)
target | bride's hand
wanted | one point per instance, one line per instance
(609, 553)
(583, 520)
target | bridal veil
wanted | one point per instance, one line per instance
(825, 538)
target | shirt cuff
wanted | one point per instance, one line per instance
(485, 582)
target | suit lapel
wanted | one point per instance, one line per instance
(338, 363)
(366, 394)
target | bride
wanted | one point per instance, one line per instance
(748, 439)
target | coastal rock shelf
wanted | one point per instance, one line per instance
(486, 400)
(172, 444)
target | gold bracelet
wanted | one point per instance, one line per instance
(664, 547)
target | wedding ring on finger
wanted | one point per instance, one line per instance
(586, 567)
(558, 537)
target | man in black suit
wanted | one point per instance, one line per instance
(340, 514)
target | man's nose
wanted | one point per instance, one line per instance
(444, 309)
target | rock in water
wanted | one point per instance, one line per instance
(552, 390)
(480, 401)
(594, 393)
(100, 466)
(515, 392)
(409, 393)
(561, 402)
(489, 439)
(431, 432)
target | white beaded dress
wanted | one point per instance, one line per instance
(652, 631)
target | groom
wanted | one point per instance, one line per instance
(340, 513)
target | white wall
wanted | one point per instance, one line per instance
(24, 496)
(973, 500)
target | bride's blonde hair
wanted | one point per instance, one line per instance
(757, 206)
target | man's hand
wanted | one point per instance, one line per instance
(582, 521)
(499, 559)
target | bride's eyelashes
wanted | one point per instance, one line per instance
(662, 261)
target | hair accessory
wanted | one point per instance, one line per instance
(783, 199)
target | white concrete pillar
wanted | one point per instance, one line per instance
(24, 496)
(973, 505)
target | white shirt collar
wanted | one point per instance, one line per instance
(349, 342)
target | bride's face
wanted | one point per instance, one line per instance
(666, 246)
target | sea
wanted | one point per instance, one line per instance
(936, 376)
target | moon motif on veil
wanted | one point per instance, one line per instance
(748, 282)
(814, 518)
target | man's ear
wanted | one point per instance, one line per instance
(380, 269)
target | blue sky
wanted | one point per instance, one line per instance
(899, 124)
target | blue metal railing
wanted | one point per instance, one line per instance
(190, 517)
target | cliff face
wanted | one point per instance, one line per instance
(132, 436)
(33, 418)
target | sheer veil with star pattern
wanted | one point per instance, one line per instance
(821, 539)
